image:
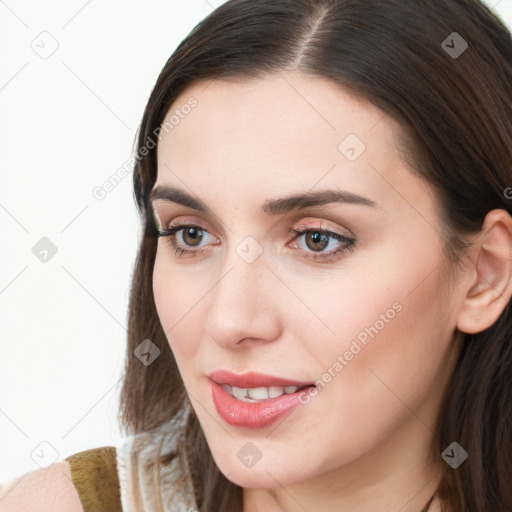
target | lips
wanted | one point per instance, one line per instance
(246, 412)
(253, 380)
(252, 415)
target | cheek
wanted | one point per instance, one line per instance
(170, 297)
(165, 291)
(180, 299)
(391, 341)
(384, 309)
(386, 359)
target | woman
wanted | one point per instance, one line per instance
(320, 309)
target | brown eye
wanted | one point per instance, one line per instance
(187, 239)
(316, 241)
(192, 236)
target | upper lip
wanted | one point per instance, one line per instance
(253, 380)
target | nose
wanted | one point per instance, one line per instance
(245, 307)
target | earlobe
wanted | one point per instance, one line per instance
(491, 289)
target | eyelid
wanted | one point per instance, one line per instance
(348, 243)
(176, 227)
(184, 221)
(311, 223)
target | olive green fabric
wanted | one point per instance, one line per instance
(95, 476)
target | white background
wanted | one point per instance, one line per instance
(68, 122)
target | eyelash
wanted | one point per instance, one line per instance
(349, 243)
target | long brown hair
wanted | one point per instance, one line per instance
(451, 94)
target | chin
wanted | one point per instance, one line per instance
(264, 474)
(259, 478)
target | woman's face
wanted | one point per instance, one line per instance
(368, 321)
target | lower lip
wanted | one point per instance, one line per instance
(253, 414)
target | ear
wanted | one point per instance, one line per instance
(491, 285)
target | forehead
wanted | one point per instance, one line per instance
(286, 132)
(286, 111)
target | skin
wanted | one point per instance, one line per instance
(48, 489)
(362, 443)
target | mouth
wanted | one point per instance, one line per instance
(254, 380)
(254, 400)
(261, 394)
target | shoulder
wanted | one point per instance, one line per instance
(86, 481)
(44, 490)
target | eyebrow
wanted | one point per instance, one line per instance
(271, 206)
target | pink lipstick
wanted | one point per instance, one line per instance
(254, 400)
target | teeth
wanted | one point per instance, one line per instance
(258, 394)
(275, 391)
(239, 392)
